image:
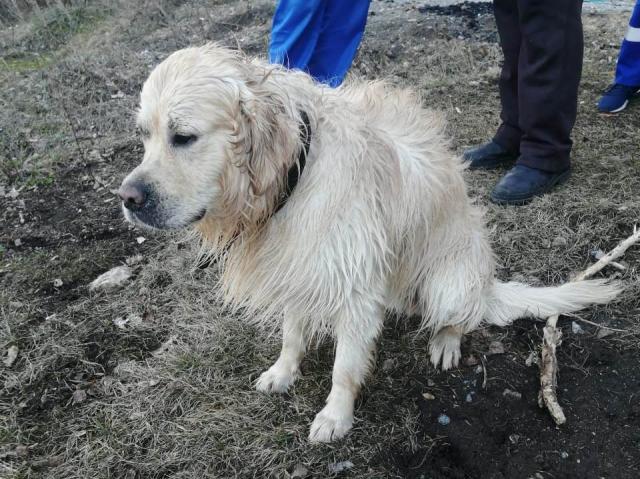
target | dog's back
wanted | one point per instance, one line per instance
(440, 256)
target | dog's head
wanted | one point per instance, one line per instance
(218, 136)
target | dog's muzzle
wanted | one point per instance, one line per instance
(142, 206)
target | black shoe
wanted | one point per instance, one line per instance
(522, 183)
(488, 156)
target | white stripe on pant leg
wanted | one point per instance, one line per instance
(633, 35)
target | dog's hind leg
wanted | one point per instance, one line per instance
(286, 369)
(455, 308)
(356, 332)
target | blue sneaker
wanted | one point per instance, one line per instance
(616, 98)
(522, 183)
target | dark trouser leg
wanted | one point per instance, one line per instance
(507, 20)
(549, 71)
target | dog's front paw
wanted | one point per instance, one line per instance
(276, 380)
(329, 426)
(445, 348)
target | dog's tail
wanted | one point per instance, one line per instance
(510, 301)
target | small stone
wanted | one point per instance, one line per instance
(564, 454)
(57, 283)
(22, 450)
(603, 333)
(471, 360)
(121, 323)
(388, 365)
(79, 395)
(337, 467)
(112, 279)
(508, 393)
(559, 241)
(299, 472)
(141, 239)
(428, 396)
(576, 328)
(444, 420)
(17, 242)
(131, 320)
(12, 355)
(496, 347)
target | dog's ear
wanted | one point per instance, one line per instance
(268, 137)
(266, 143)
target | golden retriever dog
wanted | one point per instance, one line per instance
(325, 208)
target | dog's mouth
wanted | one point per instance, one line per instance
(153, 220)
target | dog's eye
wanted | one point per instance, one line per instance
(182, 140)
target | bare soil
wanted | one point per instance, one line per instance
(169, 394)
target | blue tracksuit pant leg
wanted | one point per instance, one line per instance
(297, 24)
(628, 68)
(318, 36)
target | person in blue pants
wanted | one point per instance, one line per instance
(320, 37)
(627, 81)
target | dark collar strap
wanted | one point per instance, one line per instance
(294, 173)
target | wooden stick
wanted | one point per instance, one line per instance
(598, 254)
(615, 253)
(552, 336)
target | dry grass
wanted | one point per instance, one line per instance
(187, 409)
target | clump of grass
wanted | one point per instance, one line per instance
(22, 62)
(41, 179)
(53, 26)
(14, 150)
(21, 165)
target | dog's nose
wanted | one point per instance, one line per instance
(133, 195)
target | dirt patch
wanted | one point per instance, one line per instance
(155, 380)
(498, 431)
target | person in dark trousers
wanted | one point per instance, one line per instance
(626, 85)
(320, 37)
(542, 43)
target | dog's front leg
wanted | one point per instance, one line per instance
(355, 333)
(286, 369)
